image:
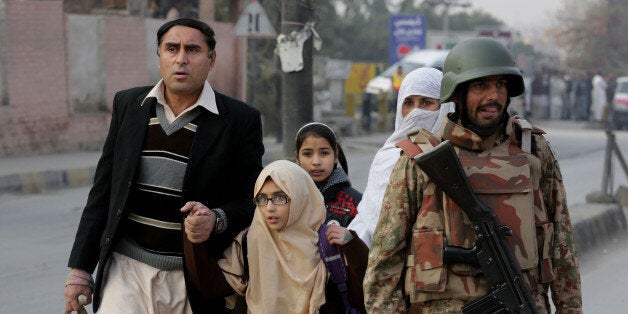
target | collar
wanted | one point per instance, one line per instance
(467, 139)
(207, 99)
(337, 176)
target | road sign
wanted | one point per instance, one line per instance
(407, 33)
(254, 22)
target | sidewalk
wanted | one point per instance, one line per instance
(593, 224)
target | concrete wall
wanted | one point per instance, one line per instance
(36, 114)
(87, 72)
(59, 72)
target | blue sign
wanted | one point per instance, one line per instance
(407, 33)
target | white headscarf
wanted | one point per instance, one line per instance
(286, 273)
(422, 81)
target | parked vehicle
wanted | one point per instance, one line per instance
(381, 85)
(419, 58)
(619, 108)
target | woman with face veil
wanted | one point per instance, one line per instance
(417, 107)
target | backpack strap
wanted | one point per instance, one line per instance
(418, 141)
(335, 263)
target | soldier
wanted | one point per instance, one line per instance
(512, 170)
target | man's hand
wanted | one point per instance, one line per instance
(199, 223)
(338, 235)
(78, 283)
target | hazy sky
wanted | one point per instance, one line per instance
(520, 14)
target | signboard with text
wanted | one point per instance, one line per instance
(407, 33)
(254, 22)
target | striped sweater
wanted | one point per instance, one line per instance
(153, 230)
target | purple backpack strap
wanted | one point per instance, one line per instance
(335, 263)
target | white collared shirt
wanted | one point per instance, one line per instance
(207, 100)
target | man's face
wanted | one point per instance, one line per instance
(486, 100)
(184, 61)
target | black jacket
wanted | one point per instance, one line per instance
(224, 162)
(341, 200)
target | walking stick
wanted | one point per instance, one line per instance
(82, 299)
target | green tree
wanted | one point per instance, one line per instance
(354, 32)
(358, 30)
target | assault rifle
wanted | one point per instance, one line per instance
(508, 292)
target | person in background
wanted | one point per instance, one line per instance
(397, 77)
(178, 143)
(418, 107)
(588, 92)
(275, 264)
(598, 97)
(511, 169)
(540, 95)
(318, 151)
(557, 89)
(581, 95)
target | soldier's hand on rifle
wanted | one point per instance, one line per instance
(78, 290)
(338, 235)
(199, 223)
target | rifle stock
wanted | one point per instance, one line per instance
(508, 291)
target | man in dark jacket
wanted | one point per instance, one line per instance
(176, 145)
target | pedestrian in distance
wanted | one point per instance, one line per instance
(599, 97)
(318, 151)
(511, 169)
(275, 264)
(171, 148)
(418, 107)
(396, 78)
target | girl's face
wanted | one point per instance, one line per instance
(275, 215)
(317, 157)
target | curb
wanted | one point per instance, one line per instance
(41, 181)
(597, 224)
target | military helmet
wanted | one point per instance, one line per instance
(478, 57)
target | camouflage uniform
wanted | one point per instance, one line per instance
(405, 270)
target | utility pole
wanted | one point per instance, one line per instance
(296, 86)
(447, 4)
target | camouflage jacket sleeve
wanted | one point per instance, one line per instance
(566, 288)
(384, 278)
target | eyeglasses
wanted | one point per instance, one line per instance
(277, 200)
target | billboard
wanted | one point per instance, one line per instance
(407, 33)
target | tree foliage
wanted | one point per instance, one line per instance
(358, 29)
(593, 35)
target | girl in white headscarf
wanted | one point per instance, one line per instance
(417, 107)
(285, 271)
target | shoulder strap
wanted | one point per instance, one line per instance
(335, 263)
(409, 148)
(523, 132)
(418, 141)
(526, 135)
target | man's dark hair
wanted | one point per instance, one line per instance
(201, 26)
